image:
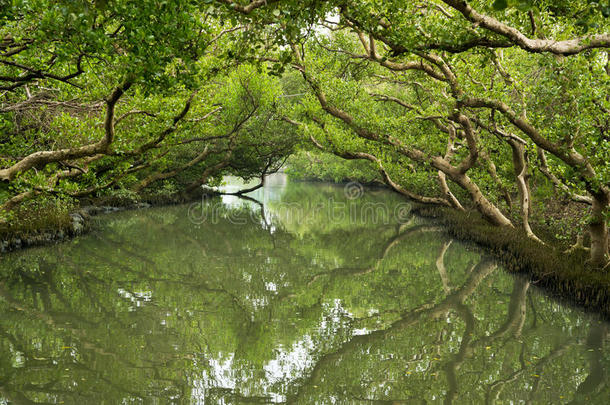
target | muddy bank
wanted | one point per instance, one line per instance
(78, 224)
(566, 276)
(78, 221)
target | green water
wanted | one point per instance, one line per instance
(305, 296)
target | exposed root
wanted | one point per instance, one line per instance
(579, 245)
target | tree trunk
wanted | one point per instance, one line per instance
(492, 170)
(16, 200)
(455, 203)
(599, 229)
(482, 204)
(520, 166)
(442, 177)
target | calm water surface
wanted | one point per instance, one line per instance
(307, 294)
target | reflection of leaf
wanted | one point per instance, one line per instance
(500, 4)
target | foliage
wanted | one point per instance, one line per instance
(312, 165)
(467, 104)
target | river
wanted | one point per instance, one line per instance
(305, 293)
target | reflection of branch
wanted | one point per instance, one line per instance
(53, 324)
(408, 318)
(440, 265)
(263, 216)
(357, 271)
(18, 397)
(145, 275)
(558, 351)
(516, 319)
(597, 378)
(516, 309)
(454, 364)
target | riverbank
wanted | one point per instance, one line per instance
(565, 275)
(63, 227)
(48, 226)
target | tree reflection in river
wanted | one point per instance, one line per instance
(155, 308)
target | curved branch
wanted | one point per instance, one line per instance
(386, 177)
(565, 47)
(43, 158)
(483, 205)
(248, 8)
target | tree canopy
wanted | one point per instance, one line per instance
(466, 104)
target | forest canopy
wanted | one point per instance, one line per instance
(498, 106)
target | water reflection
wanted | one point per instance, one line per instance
(154, 308)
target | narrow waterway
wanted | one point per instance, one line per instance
(305, 293)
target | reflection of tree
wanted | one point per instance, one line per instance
(406, 319)
(440, 265)
(512, 327)
(49, 318)
(399, 236)
(597, 379)
(154, 307)
(510, 330)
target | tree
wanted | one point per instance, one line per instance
(487, 69)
